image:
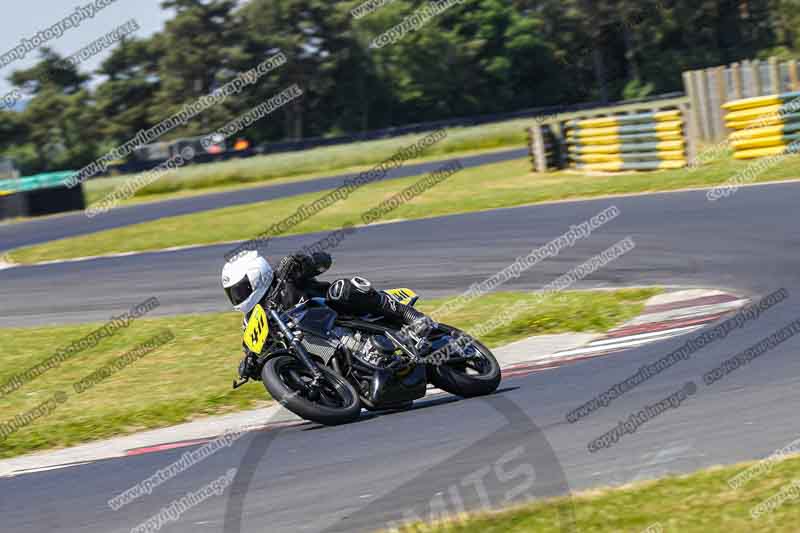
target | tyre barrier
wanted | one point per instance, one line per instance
(551, 147)
(764, 126)
(42, 194)
(642, 141)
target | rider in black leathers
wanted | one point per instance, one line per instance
(354, 296)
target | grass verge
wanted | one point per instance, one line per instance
(200, 179)
(317, 162)
(702, 502)
(499, 185)
(191, 376)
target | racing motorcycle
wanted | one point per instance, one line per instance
(325, 366)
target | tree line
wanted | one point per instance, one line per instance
(475, 57)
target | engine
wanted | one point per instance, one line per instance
(380, 371)
(371, 349)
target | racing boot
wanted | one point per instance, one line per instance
(418, 326)
(357, 296)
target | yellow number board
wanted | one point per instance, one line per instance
(255, 335)
(403, 296)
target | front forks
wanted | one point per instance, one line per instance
(295, 341)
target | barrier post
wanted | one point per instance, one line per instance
(756, 72)
(722, 97)
(793, 79)
(775, 75)
(705, 131)
(531, 152)
(694, 102)
(559, 130)
(736, 74)
(690, 133)
(537, 145)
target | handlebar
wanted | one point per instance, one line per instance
(274, 292)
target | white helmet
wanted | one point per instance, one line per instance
(245, 279)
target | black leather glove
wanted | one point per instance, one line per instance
(301, 266)
(319, 262)
(290, 267)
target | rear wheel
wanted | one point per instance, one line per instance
(478, 376)
(333, 401)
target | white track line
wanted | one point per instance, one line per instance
(624, 344)
(685, 312)
(655, 335)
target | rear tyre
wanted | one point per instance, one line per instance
(288, 381)
(478, 377)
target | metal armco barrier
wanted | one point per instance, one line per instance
(652, 140)
(764, 126)
(651, 135)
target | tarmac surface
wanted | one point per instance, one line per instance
(27, 233)
(449, 454)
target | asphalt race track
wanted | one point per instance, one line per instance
(447, 454)
(27, 233)
(681, 240)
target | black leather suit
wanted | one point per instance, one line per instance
(349, 296)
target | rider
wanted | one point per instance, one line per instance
(248, 278)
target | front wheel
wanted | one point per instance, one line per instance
(333, 401)
(478, 376)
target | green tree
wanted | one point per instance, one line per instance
(50, 72)
(60, 122)
(197, 50)
(786, 23)
(319, 42)
(125, 99)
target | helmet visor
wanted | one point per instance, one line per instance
(239, 292)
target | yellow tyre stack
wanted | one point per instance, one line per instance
(645, 141)
(764, 126)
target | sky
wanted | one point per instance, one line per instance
(24, 19)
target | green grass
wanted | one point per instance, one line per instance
(505, 184)
(314, 163)
(698, 503)
(191, 376)
(574, 311)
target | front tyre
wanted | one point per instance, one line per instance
(334, 402)
(478, 376)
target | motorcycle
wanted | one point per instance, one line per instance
(324, 366)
